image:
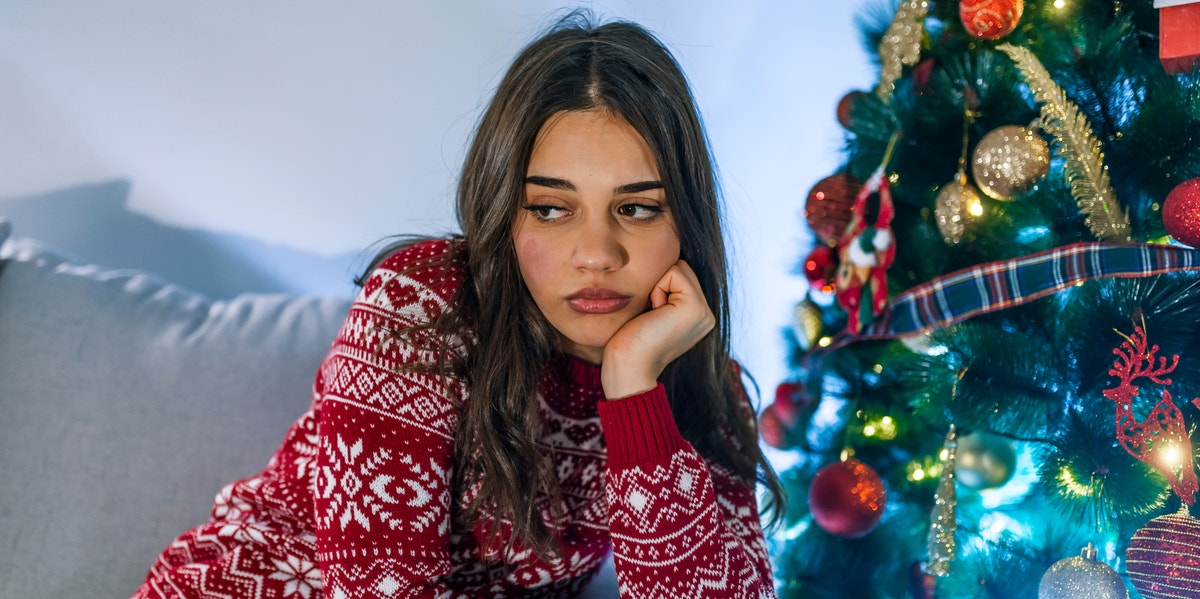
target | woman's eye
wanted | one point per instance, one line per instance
(545, 213)
(640, 211)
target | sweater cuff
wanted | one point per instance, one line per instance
(639, 427)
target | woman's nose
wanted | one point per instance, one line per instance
(598, 247)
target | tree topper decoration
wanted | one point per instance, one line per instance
(1161, 440)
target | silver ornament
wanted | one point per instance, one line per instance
(1082, 577)
(985, 461)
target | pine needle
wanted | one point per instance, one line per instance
(1084, 156)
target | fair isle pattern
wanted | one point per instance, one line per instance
(357, 501)
(674, 537)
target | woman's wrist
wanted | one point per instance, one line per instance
(619, 380)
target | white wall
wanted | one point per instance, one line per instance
(324, 126)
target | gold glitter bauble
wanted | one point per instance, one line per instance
(1009, 161)
(1081, 577)
(957, 206)
(807, 323)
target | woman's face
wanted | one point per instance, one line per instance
(594, 233)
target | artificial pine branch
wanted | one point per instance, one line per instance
(1084, 156)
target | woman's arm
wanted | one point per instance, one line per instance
(386, 440)
(680, 526)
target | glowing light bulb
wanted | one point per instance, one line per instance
(974, 207)
(917, 475)
(825, 341)
(1172, 457)
(1072, 485)
(1059, 3)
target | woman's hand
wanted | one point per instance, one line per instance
(638, 352)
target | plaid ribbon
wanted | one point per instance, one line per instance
(995, 286)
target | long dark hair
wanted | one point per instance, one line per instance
(622, 68)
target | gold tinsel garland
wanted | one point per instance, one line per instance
(1084, 156)
(901, 45)
(942, 520)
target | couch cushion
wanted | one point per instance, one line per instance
(126, 403)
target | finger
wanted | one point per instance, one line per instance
(673, 282)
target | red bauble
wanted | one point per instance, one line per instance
(921, 585)
(847, 499)
(990, 19)
(845, 108)
(921, 75)
(1181, 212)
(790, 400)
(828, 206)
(1163, 559)
(772, 428)
(820, 267)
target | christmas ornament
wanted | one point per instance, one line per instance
(772, 428)
(1163, 559)
(1082, 577)
(829, 204)
(1084, 165)
(1009, 161)
(957, 206)
(806, 323)
(1181, 212)
(1161, 440)
(901, 45)
(820, 268)
(985, 461)
(845, 108)
(791, 399)
(864, 255)
(1178, 44)
(847, 499)
(921, 585)
(920, 77)
(943, 521)
(990, 19)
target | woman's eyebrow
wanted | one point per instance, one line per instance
(550, 182)
(638, 187)
(563, 184)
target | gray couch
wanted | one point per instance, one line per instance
(126, 403)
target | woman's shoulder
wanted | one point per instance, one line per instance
(417, 270)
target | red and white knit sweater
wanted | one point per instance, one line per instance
(357, 501)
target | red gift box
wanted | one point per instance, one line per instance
(1178, 34)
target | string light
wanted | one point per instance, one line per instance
(1059, 4)
(974, 206)
(1072, 485)
(1172, 457)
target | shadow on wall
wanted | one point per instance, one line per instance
(92, 224)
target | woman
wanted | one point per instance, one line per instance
(501, 410)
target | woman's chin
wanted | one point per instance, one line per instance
(589, 347)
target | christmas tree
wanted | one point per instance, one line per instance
(994, 373)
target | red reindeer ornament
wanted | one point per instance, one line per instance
(1161, 440)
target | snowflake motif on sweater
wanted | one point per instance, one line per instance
(357, 501)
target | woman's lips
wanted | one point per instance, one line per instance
(597, 301)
